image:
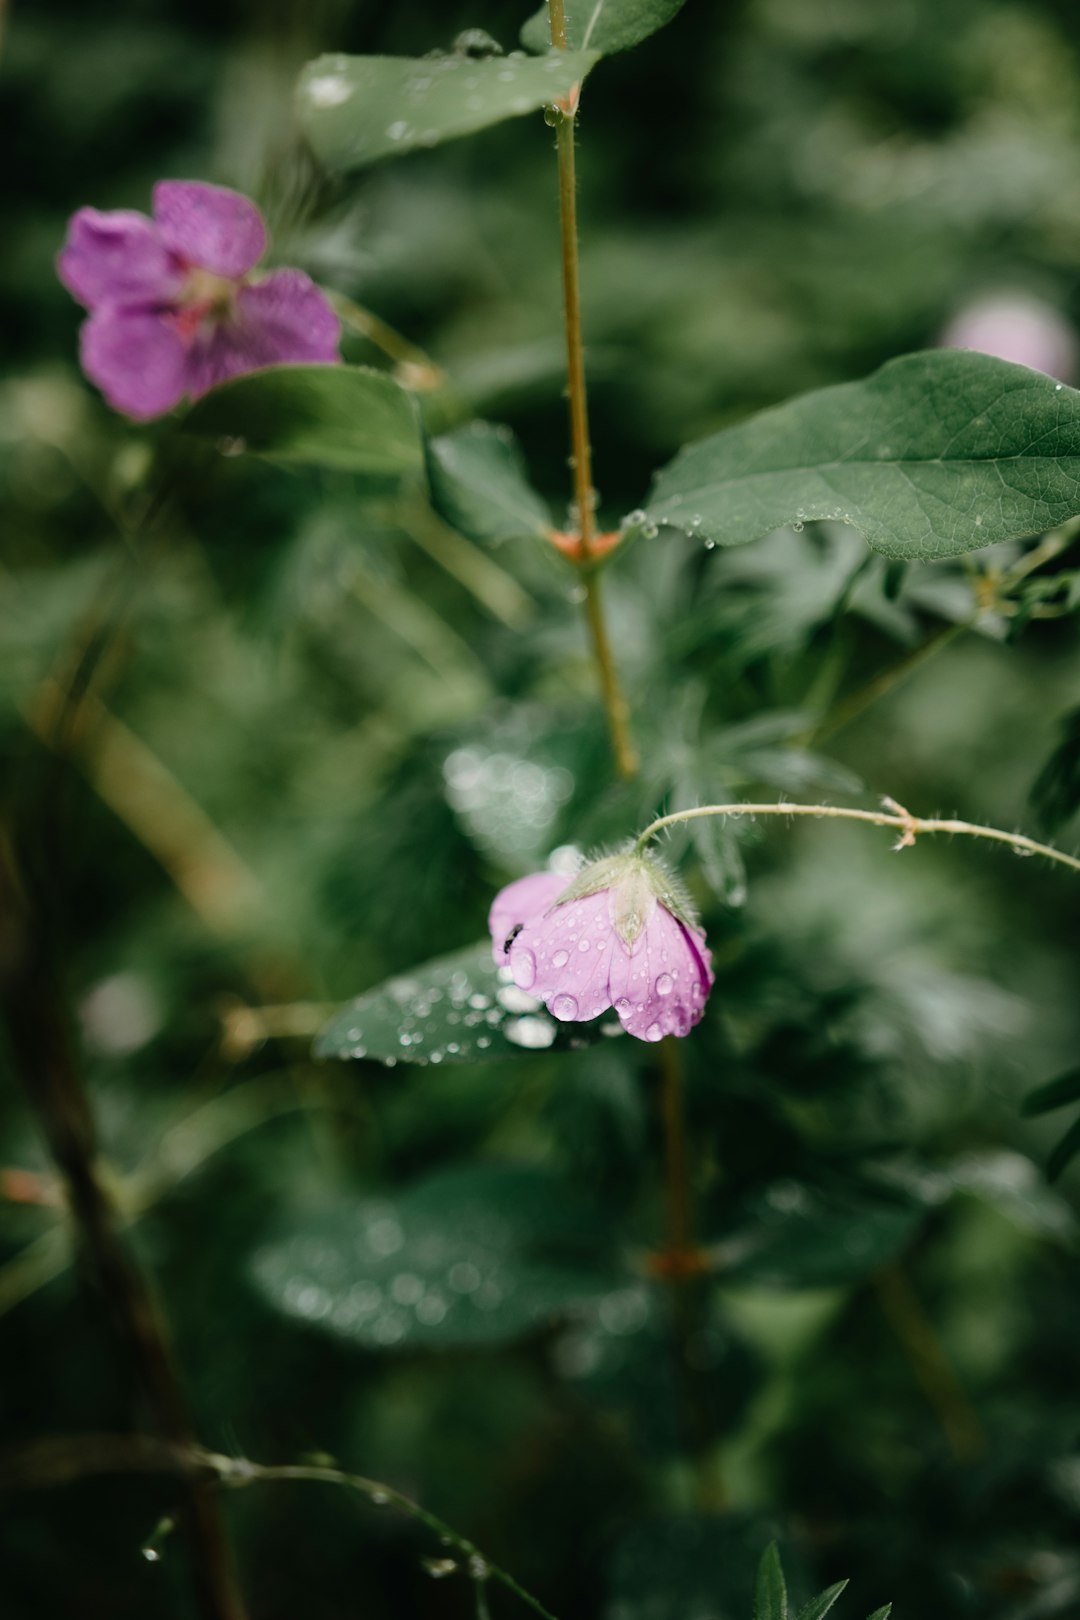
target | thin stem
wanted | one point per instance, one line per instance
(58, 1461)
(682, 1269)
(43, 1052)
(907, 825)
(673, 1110)
(850, 708)
(414, 367)
(929, 1363)
(618, 712)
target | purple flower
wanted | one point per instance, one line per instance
(172, 311)
(621, 934)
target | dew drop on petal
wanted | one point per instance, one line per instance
(653, 1033)
(560, 959)
(664, 985)
(564, 1007)
(524, 968)
(583, 944)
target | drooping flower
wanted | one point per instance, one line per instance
(172, 307)
(620, 934)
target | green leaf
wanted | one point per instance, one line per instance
(820, 1605)
(933, 455)
(459, 1008)
(346, 417)
(1065, 1152)
(479, 1254)
(881, 1614)
(770, 1592)
(675, 1566)
(794, 1236)
(355, 109)
(1056, 790)
(1054, 1094)
(605, 26)
(480, 484)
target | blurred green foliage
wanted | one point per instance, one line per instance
(331, 727)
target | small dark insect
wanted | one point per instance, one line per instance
(510, 938)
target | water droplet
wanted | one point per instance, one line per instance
(665, 984)
(524, 968)
(564, 1007)
(483, 1041)
(329, 90)
(478, 1000)
(397, 131)
(710, 545)
(653, 1033)
(798, 526)
(431, 1309)
(380, 1498)
(437, 1568)
(530, 1032)
(560, 959)
(583, 945)
(464, 1277)
(406, 1289)
(516, 1001)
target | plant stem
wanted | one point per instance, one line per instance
(618, 713)
(908, 825)
(850, 708)
(57, 1461)
(682, 1268)
(618, 710)
(673, 1110)
(41, 1047)
(930, 1364)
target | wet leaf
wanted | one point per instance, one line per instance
(459, 1008)
(480, 484)
(770, 1589)
(819, 1606)
(1054, 1094)
(1065, 1152)
(1056, 790)
(933, 455)
(617, 1356)
(794, 1236)
(693, 1564)
(479, 1254)
(356, 109)
(602, 25)
(345, 417)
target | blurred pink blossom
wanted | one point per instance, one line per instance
(1019, 327)
(172, 308)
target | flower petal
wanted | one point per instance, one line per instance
(209, 226)
(565, 957)
(518, 904)
(117, 258)
(661, 988)
(135, 358)
(292, 316)
(284, 318)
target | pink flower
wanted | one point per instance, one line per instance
(620, 934)
(172, 308)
